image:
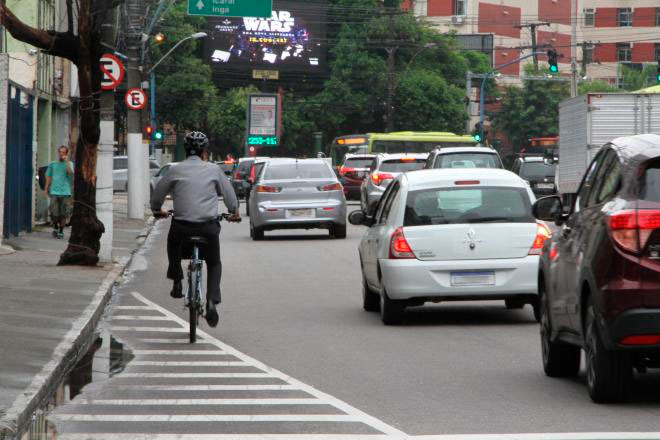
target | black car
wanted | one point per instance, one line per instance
(599, 275)
(539, 172)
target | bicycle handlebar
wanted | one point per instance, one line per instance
(224, 216)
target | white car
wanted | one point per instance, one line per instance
(448, 235)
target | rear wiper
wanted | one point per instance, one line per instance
(489, 219)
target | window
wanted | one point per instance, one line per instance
(606, 181)
(657, 16)
(298, 170)
(657, 52)
(537, 170)
(589, 17)
(467, 205)
(467, 160)
(623, 52)
(459, 7)
(387, 203)
(120, 163)
(588, 54)
(46, 20)
(650, 187)
(624, 17)
(401, 165)
(587, 182)
(358, 162)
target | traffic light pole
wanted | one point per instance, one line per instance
(152, 106)
(483, 87)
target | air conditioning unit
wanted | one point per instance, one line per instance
(457, 19)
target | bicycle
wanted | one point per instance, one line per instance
(193, 298)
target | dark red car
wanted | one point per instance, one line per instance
(599, 275)
(352, 172)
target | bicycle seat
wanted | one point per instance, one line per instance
(197, 240)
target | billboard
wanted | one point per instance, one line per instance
(292, 39)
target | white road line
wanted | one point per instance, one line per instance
(183, 342)
(124, 402)
(209, 387)
(547, 436)
(98, 436)
(194, 375)
(357, 415)
(131, 308)
(188, 418)
(140, 318)
(191, 364)
(179, 352)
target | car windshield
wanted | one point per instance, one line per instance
(358, 162)
(402, 165)
(120, 163)
(298, 170)
(442, 206)
(467, 160)
(650, 190)
(154, 165)
(531, 170)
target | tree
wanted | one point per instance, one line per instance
(84, 50)
(597, 86)
(634, 79)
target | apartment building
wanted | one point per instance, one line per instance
(609, 32)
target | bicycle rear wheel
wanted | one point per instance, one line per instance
(192, 309)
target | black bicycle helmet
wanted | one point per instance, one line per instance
(195, 143)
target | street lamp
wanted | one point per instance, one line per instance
(152, 75)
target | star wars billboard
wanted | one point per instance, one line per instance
(292, 39)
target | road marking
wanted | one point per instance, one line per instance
(183, 342)
(224, 437)
(194, 375)
(131, 308)
(151, 329)
(192, 363)
(355, 414)
(547, 436)
(178, 353)
(210, 387)
(209, 401)
(140, 318)
(188, 418)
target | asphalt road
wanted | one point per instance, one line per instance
(293, 303)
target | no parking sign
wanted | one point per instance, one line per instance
(113, 72)
(135, 99)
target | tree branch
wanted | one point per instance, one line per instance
(60, 44)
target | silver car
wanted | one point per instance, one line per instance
(297, 194)
(447, 235)
(120, 172)
(384, 169)
(159, 175)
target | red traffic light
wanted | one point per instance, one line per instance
(149, 130)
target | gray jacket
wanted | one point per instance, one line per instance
(195, 186)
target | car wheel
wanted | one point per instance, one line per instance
(609, 373)
(370, 299)
(559, 360)
(256, 233)
(514, 303)
(391, 311)
(338, 231)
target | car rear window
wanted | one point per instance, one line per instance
(120, 164)
(402, 165)
(300, 170)
(531, 170)
(650, 188)
(443, 206)
(467, 160)
(358, 162)
(244, 166)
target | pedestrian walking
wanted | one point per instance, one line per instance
(59, 188)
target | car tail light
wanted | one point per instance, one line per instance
(641, 340)
(407, 159)
(399, 247)
(268, 189)
(331, 187)
(377, 177)
(346, 170)
(542, 234)
(631, 229)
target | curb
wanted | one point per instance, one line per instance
(67, 353)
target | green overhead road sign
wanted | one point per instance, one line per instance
(231, 8)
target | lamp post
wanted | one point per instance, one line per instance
(152, 76)
(392, 84)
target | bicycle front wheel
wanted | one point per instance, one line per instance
(192, 319)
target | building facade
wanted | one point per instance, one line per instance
(609, 32)
(36, 92)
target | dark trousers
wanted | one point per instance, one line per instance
(178, 248)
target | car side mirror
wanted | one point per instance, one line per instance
(549, 209)
(359, 218)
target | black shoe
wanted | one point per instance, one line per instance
(177, 290)
(211, 314)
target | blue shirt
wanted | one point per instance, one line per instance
(61, 183)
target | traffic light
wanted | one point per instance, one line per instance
(476, 134)
(657, 73)
(149, 130)
(158, 135)
(159, 38)
(552, 61)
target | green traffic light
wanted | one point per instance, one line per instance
(477, 137)
(158, 135)
(554, 69)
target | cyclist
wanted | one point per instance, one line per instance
(195, 185)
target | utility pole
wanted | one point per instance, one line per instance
(532, 29)
(585, 61)
(574, 48)
(390, 87)
(468, 96)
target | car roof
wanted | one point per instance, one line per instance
(391, 156)
(352, 155)
(640, 147)
(291, 160)
(447, 176)
(450, 150)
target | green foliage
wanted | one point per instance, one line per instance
(597, 86)
(634, 79)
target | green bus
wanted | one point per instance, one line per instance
(416, 141)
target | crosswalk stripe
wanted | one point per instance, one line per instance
(115, 328)
(210, 387)
(140, 318)
(209, 401)
(191, 363)
(179, 352)
(183, 342)
(206, 418)
(132, 308)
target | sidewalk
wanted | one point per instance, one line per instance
(49, 313)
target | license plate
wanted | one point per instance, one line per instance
(545, 185)
(486, 278)
(300, 213)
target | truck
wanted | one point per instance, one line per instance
(588, 122)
